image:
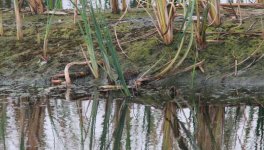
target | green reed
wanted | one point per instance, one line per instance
(104, 39)
(47, 30)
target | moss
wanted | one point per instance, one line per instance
(123, 27)
(141, 51)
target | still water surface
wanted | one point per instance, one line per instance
(145, 122)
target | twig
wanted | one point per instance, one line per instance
(117, 40)
(235, 67)
(252, 54)
(190, 67)
(250, 27)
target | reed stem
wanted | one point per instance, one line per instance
(18, 21)
(1, 23)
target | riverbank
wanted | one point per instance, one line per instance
(22, 66)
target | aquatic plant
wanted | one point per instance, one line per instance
(105, 43)
(47, 30)
(18, 21)
(201, 24)
(52, 4)
(176, 59)
(87, 35)
(164, 16)
(214, 12)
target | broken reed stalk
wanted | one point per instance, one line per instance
(18, 21)
(115, 26)
(45, 47)
(124, 5)
(164, 17)
(1, 23)
(214, 12)
(201, 24)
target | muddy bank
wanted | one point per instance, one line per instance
(22, 67)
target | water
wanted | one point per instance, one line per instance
(147, 122)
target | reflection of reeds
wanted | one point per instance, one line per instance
(22, 115)
(259, 128)
(3, 124)
(121, 109)
(50, 112)
(35, 125)
(128, 128)
(170, 126)
(210, 127)
(81, 123)
(108, 111)
(147, 120)
(93, 117)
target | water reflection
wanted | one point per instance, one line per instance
(29, 122)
